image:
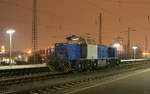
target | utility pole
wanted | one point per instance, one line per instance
(128, 41)
(146, 43)
(100, 29)
(34, 30)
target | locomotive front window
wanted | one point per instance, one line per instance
(91, 42)
(74, 41)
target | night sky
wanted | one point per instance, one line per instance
(60, 18)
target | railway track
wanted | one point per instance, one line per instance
(28, 78)
(60, 89)
(11, 72)
(53, 88)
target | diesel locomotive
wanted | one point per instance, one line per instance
(82, 54)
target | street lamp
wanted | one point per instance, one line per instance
(129, 30)
(10, 32)
(134, 50)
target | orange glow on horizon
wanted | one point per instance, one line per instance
(145, 53)
(3, 48)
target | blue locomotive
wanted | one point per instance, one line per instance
(82, 54)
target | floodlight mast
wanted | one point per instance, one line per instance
(10, 32)
(34, 32)
(134, 50)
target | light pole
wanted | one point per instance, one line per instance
(100, 29)
(134, 50)
(10, 32)
(129, 30)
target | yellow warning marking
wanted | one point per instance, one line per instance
(67, 68)
(51, 68)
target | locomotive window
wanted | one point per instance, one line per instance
(82, 42)
(109, 52)
(114, 52)
(91, 42)
(74, 41)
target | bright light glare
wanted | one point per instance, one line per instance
(29, 52)
(3, 48)
(116, 45)
(75, 38)
(19, 56)
(134, 47)
(10, 31)
(145, 53)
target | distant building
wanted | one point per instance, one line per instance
(44, 53)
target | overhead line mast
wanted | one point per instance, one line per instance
(146, 43)
(34, 30)
(100, 28)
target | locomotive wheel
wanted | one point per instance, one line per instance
(79, 67)
(117, 62)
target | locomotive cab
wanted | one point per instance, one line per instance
(88, 46)
(91, 48)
